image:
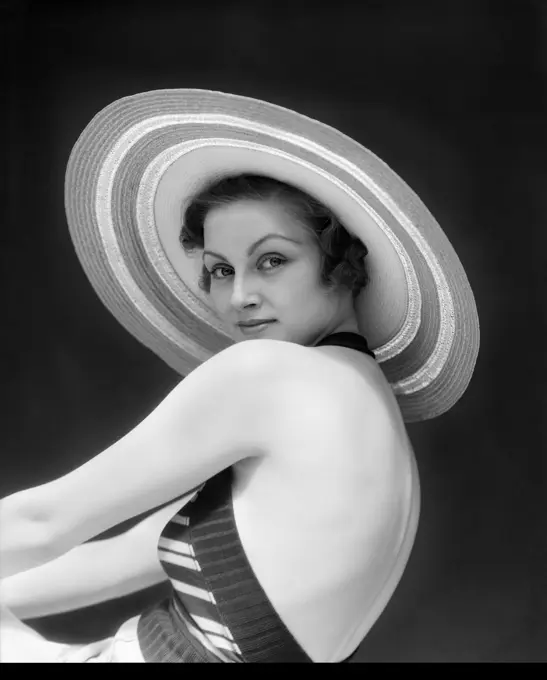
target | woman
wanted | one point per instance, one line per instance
(301, 487)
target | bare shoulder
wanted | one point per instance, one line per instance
(335, 401)
(324, 399)
(329, 380)
(355, 375)
(269, 363)
(280, 354)
(259, 351)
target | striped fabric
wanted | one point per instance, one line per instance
(218, 611)
(193, 602)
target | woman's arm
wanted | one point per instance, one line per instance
(93, 572)
(219, 414)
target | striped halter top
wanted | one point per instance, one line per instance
(217, 611)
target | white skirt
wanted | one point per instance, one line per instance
(19, 643)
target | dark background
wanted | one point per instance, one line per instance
(452, 95)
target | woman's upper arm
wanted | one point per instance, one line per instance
(219, 414)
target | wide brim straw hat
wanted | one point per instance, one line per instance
(138, 163)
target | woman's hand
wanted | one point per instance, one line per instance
(94, 652)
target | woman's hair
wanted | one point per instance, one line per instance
(342, 255)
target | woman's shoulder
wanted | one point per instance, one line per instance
(331, 362)
(328, 379)
(338, 400)
(354, 374)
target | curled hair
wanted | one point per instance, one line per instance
(342, 255)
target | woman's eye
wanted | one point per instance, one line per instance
(272, 259)
(214, 270)
(275, 263)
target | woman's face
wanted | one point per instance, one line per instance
(265, 264)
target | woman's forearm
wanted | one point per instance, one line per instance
(83, 576)
(25, 540)
(86, 575)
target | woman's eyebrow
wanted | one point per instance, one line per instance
(255, 245)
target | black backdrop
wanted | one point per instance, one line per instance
(452, 95)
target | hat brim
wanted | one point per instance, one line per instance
(138, 162)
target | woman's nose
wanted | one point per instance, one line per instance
(244, 293)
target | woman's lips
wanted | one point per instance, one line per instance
(252, 330)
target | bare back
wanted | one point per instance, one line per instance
(328, 520)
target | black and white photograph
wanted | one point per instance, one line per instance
(273, 332)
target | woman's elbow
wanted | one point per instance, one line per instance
(28, 536)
